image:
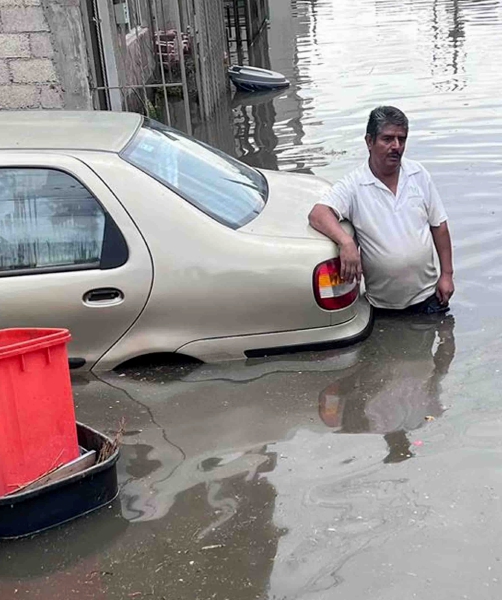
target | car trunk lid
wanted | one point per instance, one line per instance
(290, 199)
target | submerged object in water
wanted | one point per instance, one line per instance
(255, 79)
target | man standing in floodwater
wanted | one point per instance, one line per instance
(398, 217)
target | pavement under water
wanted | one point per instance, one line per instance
(368, 472)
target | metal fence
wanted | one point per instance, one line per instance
(163, 58)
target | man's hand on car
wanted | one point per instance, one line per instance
(350, 261)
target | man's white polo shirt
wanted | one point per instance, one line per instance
(397, 250)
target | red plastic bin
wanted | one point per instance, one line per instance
(37, 418)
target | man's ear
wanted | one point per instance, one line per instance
(369, 141)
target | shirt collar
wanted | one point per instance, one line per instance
(407, 168)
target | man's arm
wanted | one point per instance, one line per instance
(442, 242)
(324, 219)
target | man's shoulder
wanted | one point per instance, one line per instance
(359, 174)
(345, 188)
(413, 167)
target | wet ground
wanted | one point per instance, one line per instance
(370, 472)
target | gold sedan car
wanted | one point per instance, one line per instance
(141, 240)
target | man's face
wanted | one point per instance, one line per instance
(388, 148)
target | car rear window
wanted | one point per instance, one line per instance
(219, 185)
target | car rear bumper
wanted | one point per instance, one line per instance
(249, 346)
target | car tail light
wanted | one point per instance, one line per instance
(331, 292)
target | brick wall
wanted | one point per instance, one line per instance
(35, 68)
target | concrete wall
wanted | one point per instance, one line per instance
(43, 60)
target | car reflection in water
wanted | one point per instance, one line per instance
(397, 389)
(210, 423)
(228, 475)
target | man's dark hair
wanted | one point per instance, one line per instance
(382, 116)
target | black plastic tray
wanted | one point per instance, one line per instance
(25, 513)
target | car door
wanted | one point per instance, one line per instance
(70, 255)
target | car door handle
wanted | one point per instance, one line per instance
(103, 296)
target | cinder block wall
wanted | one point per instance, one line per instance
(43, 59)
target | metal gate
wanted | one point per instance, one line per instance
(138, 57)
(163, 58)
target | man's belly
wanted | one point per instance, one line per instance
(397, 279)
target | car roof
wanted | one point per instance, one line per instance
(65, 130)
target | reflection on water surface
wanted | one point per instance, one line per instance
(371, 472)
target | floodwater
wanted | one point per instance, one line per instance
(369, 472)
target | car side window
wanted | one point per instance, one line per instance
(48, 220)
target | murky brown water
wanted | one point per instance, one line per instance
(372, 472)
